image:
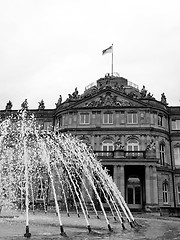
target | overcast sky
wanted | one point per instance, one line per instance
(48, 48)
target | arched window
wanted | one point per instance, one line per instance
(178, 193)
(107, 145)
(177, 154)
(162, 153)
(132, 145)
(165, 192)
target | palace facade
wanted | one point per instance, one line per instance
(135, 136)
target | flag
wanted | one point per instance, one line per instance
(107, 50)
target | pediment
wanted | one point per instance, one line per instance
(109, 99)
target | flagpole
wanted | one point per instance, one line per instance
(112, 62)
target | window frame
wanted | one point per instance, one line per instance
(165, 192)
(47, 125)
(178, 193)
(132, 118)
(109, 145)
(132, 144)
(176, 155)
(160, 120)
(162, 153)
(110, 118)
(175, 124)
(84, 118)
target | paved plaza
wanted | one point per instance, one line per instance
(46, 227)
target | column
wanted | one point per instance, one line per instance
(147, 184)
(116, 174)
(92, 142)
(155, 188)
(143, 147)
(98, 143)
(122, 182)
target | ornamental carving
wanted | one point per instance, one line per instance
(9, 106)
(108, 100)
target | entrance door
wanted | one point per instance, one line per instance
(134, 193)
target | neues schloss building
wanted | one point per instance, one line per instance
(135, 136)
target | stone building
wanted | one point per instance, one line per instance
(135, 136)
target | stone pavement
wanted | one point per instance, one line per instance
(46, 227)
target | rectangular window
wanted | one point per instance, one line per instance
(160, 120)
(84, 118)
(122, 117)
(132, 118)
(152, 118)
(48, 126)
(176, 125)
(108, 118)
(178, 193)
(165, 193)
(70, 119)
(162, 154)
(60, 121)
(177, 156)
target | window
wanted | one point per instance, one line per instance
(60, 121)
(165, 192)
(84, 118)
(160, 120)
(107, 145)
(108, 118)
(162, 153)
(122, 117)
(153, 118)
(178, 193)
(176, 124)
(70, 118)
(132, 118)
(47, 126)
(177, 155)
(132, 145)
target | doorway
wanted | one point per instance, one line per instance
(134, 192)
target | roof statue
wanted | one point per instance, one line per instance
(24, 105)
(41, 105)
(143, 92)
(149, 95)
(74, 96)
(59, 101)
(9, 105)
(163, 99)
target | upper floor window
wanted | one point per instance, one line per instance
(178, 193)
(132, 118)
(153, 118)
(60, 121)
(122, 117)
(84, 118)
(107, 145)
(132, 145)
(165, 192)
(47, 126)
(160, 120)
(108, 118)
(177, 155)
(176, 124)
(162, 153)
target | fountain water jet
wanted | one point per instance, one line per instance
(28, 155)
